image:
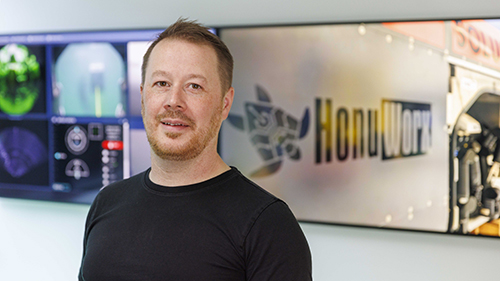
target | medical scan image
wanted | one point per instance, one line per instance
(90, 80)
(23, 153)
(21, 79)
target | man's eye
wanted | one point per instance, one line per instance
(195, 86)
(161, 83)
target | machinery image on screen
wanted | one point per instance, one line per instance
(66, 128)
(22, 82)
(475, 148)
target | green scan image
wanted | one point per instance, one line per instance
(90, 79)
(19, 74)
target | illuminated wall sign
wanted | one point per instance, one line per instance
(345, 126)
(386, 125)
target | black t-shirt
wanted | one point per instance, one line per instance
(225, 228)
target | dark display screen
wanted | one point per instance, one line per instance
(86, 156)
(69, 113)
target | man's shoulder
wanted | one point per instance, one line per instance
(243, 195)
(248, 188)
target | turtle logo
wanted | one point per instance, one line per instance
(272, 131)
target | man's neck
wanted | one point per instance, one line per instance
(179, 173)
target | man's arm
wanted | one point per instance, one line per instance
(276, 248)
(90, 217)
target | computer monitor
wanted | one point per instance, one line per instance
(70, 120)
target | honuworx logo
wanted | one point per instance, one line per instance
(399, 129)
(406, 129)
(272, 131)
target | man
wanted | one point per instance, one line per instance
(191, 216)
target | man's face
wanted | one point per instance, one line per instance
(182, 100)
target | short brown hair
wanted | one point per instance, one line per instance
(193, 32)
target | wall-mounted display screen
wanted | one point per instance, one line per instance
(392, 125)
(69, 112)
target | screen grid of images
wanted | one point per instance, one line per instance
(66, 129)
(393, 125)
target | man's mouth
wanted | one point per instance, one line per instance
(175, 120)
(174, 124)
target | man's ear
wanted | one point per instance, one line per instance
(227, 102)
(142, 99)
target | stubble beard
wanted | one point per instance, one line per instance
(183, 151)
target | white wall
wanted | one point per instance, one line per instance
(42, 240)
(54, 15)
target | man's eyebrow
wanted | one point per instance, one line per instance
(197, 76)
(159, 73)
(162, 73)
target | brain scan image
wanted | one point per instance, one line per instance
(21, 76)
(89, 81)
(24, 153)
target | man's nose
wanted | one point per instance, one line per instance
(176, 99)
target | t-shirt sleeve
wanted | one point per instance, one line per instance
(90, 217)
(276, 248)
